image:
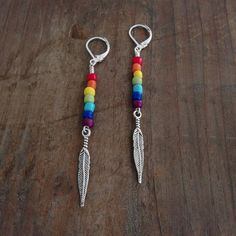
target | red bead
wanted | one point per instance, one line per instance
(138, 60)
(92, 76)
(137, 103)
(88, 122)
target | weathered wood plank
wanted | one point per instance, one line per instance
(189, 119)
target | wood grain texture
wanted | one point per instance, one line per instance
(189, 119)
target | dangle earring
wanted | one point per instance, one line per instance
(138, 143)
(88, 119)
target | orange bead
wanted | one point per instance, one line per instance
(136, 66)
(92, 83)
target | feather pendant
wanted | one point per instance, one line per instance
(138, 152)
(83, 174)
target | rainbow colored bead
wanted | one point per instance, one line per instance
(88, 122)
(137, 81)
(89, 99)
(88, 114)
(137, 103)
(89, 91)
(138, 88)
(136, 66)
(138, 73)
(91, 76)
(138, 60)
(137, 96)
(89, 106)
(92, 84)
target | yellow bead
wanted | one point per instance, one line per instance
(89, 91)
(138, 73)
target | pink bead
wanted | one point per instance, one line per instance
(88, 122)
(137, 103)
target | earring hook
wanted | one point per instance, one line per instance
(144, 44)
(97, 57)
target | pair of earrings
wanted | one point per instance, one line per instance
(89, 107)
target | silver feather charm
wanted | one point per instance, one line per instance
(84, 167)
(138, 146)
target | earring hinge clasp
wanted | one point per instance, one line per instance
(97, 57)
(140, 46)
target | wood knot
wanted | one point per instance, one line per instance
(78, 32)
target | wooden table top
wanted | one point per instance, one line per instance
(189, 119)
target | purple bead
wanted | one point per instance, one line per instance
(137, 103)
(88, 122)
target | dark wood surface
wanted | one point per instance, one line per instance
(189, 119)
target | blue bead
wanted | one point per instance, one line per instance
(138, 88)
(89, 106)
(137, 96)
(88, 114)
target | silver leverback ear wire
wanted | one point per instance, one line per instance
(138, 139)
(99, 57)
(84, 156)
(144, 44)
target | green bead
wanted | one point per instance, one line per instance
(88, 98)
(137, 80)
